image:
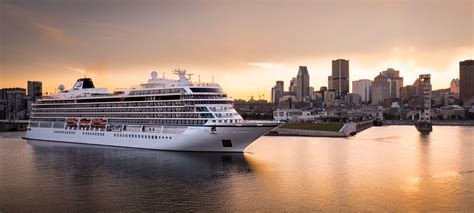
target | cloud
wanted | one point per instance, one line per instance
(37, 23)
(267, 65)
(53, 33)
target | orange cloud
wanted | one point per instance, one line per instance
(53, 33)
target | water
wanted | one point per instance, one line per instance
(383, 168)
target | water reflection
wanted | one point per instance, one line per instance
(72, 175)
(388, 168)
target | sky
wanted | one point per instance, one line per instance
(246, 45)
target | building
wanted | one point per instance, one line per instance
(454, 86)
(396, 82)
(466, 79)
(330, 82)
(340, 77)
(302, 83)
(363, 87)
(409, 91)
(35, 89)
(293, 85)
(380, 89)
(323, 90)
(424, 91)
(387, 85)
(277, 92)
(353, 99)
(15, 103)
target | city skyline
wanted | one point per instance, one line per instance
(118, 45)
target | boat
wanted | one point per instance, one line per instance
(377, 122)
(71, 121)
(423, 126)
(161, 114)
(99, 122)
(84, 122)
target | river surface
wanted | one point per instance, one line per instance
(391, 168)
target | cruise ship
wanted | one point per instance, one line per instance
(162, 114)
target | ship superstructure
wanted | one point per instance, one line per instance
(161, 114)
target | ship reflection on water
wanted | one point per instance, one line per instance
(121, 178)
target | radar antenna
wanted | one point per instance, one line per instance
(189, 76)
(179, 72)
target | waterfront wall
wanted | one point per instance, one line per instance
(311, 133)
(13, 125)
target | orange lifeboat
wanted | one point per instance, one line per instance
(99, 122)
(84, 122)
(71, 121)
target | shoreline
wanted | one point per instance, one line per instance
(435, 122)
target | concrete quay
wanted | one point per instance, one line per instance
(346, 130)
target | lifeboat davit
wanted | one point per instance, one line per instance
(99, 122)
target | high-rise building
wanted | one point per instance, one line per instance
(466, 81)
(330, 82)
(340, 76)
(387, 85)
(424, 91)
(35, 88)
(454, 86)
(380, 89)
(302, 85)
(293, 85)
(363, 87)
(277, 92)
(396, 82)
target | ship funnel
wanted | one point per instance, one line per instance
(83, 83)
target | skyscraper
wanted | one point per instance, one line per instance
(302, 88)
(293, 85)
(396, 82)
(340, 76)
(380, 89)
(363, 87)
(330, 82)
(386, 85)
(424, 91)
(466, 81)
(277, 92)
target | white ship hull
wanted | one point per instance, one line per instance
(194, 138)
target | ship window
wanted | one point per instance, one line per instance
(198, 89)
(227, 143)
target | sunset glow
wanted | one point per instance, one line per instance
(238, 42)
